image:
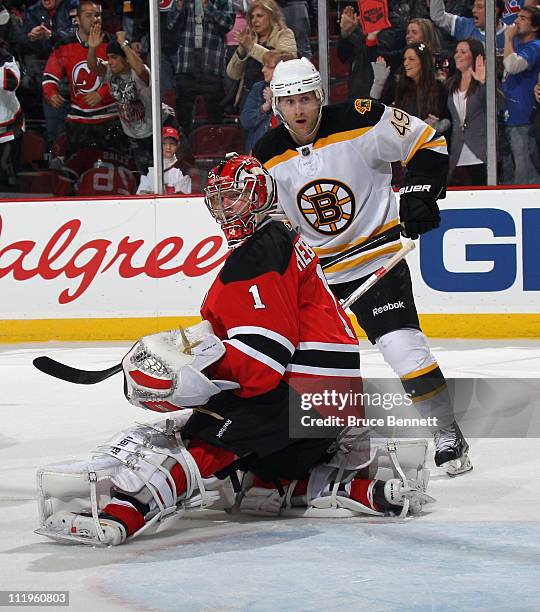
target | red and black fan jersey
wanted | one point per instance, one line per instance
(69, 60)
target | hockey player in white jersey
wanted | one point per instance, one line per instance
(332, 168)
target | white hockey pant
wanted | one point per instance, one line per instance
(407, 352)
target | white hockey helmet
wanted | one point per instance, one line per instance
(293, 77)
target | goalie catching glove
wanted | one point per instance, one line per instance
(164, 372)
(418, 210)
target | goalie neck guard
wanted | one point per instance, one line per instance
(239, 193)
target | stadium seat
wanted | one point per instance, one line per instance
(106, 181)
(42, 182)
(200, 113)
(33, 149)
(214, 141)
(59, 146)
(338, 91)
(337, 67)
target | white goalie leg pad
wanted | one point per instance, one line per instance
(147, 452)
(401, 463)
(261, 501)
(326, 496)
(136, 462)
(74, 487)
(163, 371)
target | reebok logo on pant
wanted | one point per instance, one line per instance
(387, 307)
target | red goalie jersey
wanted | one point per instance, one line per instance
(272, 308)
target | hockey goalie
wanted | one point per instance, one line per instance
(226, 385)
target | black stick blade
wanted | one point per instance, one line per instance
(74, 375)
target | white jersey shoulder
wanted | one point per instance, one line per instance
(337, 191)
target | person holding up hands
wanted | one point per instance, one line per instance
(467, 105)
(522, 68)
(267, 30)
(358, 50)
(92, 115)
(129, 80)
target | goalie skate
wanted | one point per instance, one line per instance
(399, 493)
(451, 451)
(80, 529)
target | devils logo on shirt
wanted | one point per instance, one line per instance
(83, 80)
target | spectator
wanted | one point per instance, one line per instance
(11, 119)
(46, 23)
(467, 105)
(139, 23)
(522, 68)
(267, 30)
(129, 80)
(536, 125)
(256, 116)
(296, 15)
(418, 31)
(203, 25)
(173, 168)
(417, 91)
(10, 31)
(357, 50)
(393, 38)
(92, 116)
(468, 27)
(240, 23)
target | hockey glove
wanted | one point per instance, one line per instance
(418, 214)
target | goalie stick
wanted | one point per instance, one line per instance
(74, 375)
(91, 377)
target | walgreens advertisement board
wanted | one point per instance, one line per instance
(140, 265)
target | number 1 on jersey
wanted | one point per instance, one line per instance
(254, 290)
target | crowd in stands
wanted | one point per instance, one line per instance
(76, 104)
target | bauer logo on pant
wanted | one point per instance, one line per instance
(327, 205)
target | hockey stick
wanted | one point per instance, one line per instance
(91, 377)
(74, 375)
(396, 258)
(370, 243)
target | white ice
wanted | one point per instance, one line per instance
(477, 548)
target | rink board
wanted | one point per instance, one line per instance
(118, 268)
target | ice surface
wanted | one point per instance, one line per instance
(477, 548)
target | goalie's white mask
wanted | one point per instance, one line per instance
(240, 192)
(164, 371)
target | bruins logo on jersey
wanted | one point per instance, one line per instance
(327, 205)
(362, 105)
